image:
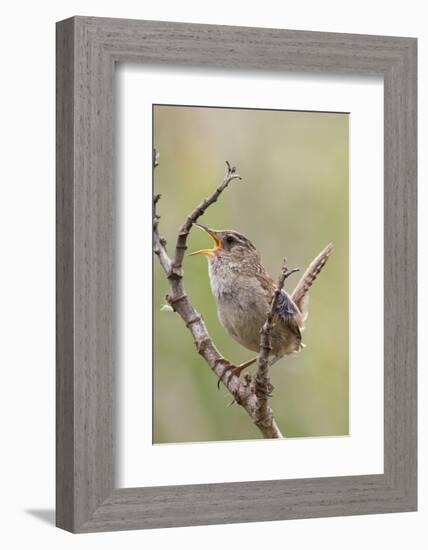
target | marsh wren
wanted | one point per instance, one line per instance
(243, 291)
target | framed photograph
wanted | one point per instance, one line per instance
(293, 198)
(236, 274)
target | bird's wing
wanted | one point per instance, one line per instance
(286, 309)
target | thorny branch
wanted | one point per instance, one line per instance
(263, 387)
(243, 391)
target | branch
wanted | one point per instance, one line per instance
(263, 387)
(159, 243)
(243, 392)
(184, 230)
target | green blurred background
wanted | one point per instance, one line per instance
(292, 201)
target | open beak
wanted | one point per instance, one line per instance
(208, 251)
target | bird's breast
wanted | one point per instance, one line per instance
(242, 306)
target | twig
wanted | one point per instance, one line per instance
(243, 392)
(183, 233)
(263, 387)
(159, 243)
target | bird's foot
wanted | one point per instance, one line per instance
(264, 389)
(234, 370)
(228, 367)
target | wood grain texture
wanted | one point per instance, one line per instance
(87, 49)
(64, 277)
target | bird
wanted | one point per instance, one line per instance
(243, 291)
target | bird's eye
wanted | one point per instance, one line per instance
(230, 239)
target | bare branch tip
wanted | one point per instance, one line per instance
(291, 271)
(231, 172)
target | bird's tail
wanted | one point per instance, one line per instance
(300, 293)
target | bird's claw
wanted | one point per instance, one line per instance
(265, 390)
(234, 370)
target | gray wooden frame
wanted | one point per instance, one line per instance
(87, 50)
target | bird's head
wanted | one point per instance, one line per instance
(228, 246)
